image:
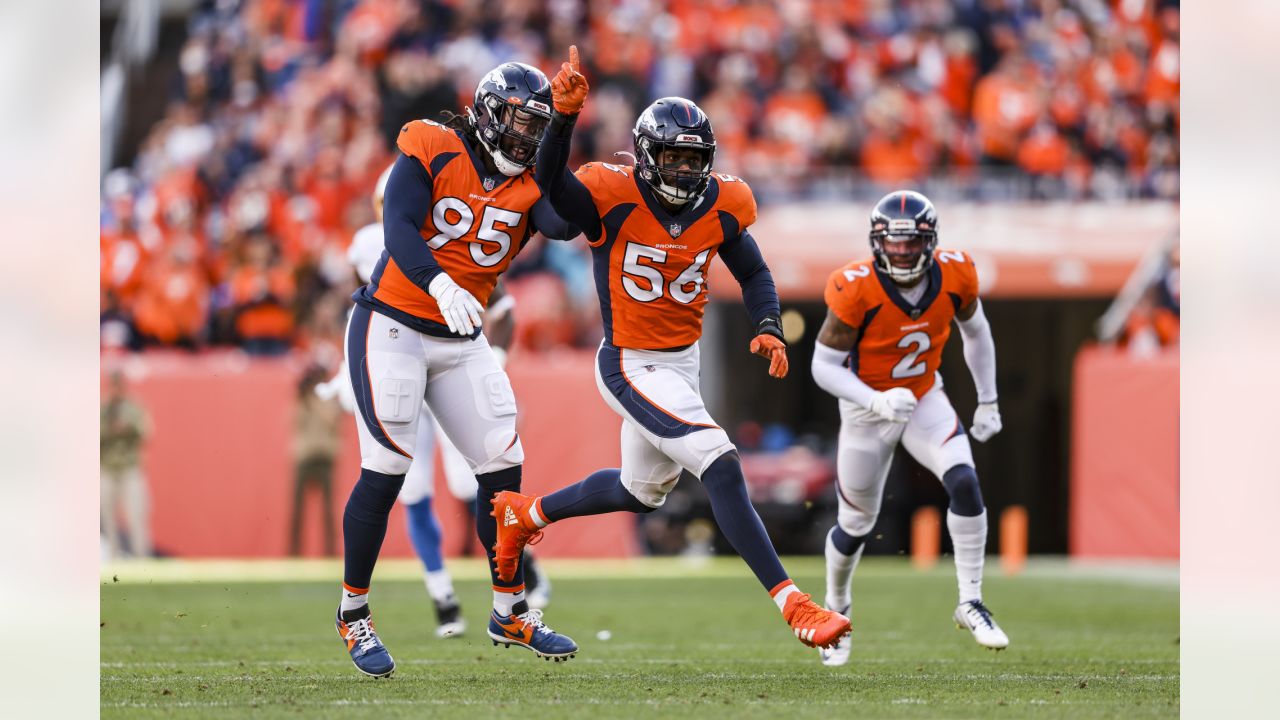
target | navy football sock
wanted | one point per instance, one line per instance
(961, 482)
(424, 533)
(727, 489)
(491, 484)
(364, 524)
(602, 492)
(844, 542)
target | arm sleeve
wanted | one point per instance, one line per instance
(980, 353)
(547, 222)
(742, 256)
(832, 374)
(570, 199)
(405, 206)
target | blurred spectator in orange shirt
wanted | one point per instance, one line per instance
(1005, 104)
(1044, 152)
(173, 303)
(262, 291)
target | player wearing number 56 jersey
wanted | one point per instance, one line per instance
(654, 227)
(459, 204)
(888, 318)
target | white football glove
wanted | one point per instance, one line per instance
(986, 422)
(460, 308)
(894, 405)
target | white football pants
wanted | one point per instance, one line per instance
(933, 436)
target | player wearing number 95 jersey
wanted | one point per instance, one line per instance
(653, 228)
(459, 204)
(888, 318)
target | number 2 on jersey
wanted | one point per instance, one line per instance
(908, 367)
(632, 268)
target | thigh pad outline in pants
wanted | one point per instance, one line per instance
(419, 481)
(658, 393)
(863, 457)
(935, 437)
(388, 374)
(647, 473)
(471, 397)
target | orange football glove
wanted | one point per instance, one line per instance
(569, 87)
(774, 349)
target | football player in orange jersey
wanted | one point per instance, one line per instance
(653, 228)
(878, 351)
(459, 204)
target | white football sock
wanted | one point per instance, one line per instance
(439, 585)
(969, 540)
(840, 569)
(781, 595)
(504, 602)
(353, 601)
(535, 514)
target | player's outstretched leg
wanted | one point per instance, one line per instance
(512, 622)
(520, 518)
(426, 536)
(364, 526)
(967, 525)
(842, 554)
(726, 487)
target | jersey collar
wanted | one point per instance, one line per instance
(676, 224)
(913, 311)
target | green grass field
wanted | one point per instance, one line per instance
(231, 640)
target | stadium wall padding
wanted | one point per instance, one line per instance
(1124, 461)
(220, 461)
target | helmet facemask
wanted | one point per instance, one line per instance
(902, 250)
(679, 171)
(510, 132)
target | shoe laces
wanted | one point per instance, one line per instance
(805, 612)
(362, 632)
(977, 608)
(533, 619)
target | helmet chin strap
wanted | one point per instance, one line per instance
(669, 193)
(505, 166)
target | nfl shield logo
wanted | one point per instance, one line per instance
(675, 229)
(394, 333)
(915, 314)
(489, 183)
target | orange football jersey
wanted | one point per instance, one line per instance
(474, 231)
(651, 266)
(900, 344)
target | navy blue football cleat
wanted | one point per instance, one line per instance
(367, 651)
(527, 631)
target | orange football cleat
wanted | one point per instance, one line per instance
(515, 531)
(813, 624)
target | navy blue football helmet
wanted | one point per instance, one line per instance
(676, 124)
(904, 234)
(512, 108)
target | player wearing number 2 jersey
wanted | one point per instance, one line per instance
(458, 206)
(653, 229)
(888, 318)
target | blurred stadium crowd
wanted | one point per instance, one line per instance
(230, 225)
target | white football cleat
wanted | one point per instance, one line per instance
(837, 654)
(449, 622)
(975, 616)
